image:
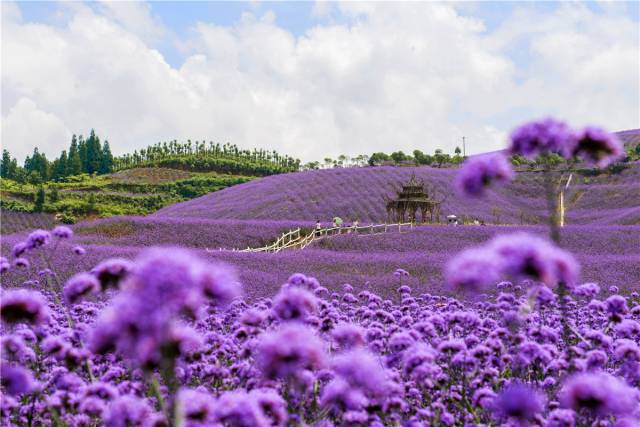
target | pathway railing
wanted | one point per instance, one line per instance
(296, 239)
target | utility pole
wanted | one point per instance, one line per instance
(464, 148)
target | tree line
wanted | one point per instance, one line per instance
(84, 156)
(204, 155)
(397, 158)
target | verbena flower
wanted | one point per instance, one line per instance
(288, 351)
(239, 409)
(111, 271)
(22, 306)
(220, 284)
(37, 238)
(518, 401)
(479, 172)
(348, 335)
(19, 249)
(62, 232)
(273, 406)
(80, 286)
(362, 370)
(294, 303)
(473, 269)
(196, 407)
(127, 411)
(526, 256)
(598, 146)
(599, 393)
(542, 137)
(16, 380)
(21, 263)
(78, 250)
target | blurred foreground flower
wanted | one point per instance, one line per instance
(479, 172)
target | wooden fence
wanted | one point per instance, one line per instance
(297, 239)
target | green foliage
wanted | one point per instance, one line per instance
(39, 200)
(54, 195)
(209, 157)
(377, 159)
(399, 157)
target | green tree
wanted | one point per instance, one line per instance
(39, 199)
(34, 178)
(54, 196)
(377, 159)
(457, 151)
(106, 163)
(59, 167)
(82, 152)
(399, 157)
(638, 149)
(20, 176)
(5, 164)
(94, 153)
(74, 162)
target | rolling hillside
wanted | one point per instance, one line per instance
(358, 193)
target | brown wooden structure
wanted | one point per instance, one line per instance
(413, 198)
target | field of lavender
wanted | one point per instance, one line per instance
(357, 193)
(441, 325)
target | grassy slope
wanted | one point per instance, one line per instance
(131, 192)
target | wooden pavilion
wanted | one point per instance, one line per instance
(413, 198)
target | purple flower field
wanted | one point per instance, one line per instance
(357, 193)
(131, 322)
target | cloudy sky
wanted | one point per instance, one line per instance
(313, 79)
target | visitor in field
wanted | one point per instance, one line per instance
(318, 227)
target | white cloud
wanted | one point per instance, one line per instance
(397, 76)
(136, 17)
(26, 126)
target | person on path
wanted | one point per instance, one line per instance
(318, 228)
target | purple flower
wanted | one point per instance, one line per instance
(272, 405)
(239, 409)
(24, 306)
(587, 290)
(480, 172)
(616, 307)
(561, 418)
(19, 249)
(78, 250)
(220, 284)
(4, 265)
(110, 272)
(362, 370)
(288, 351)
(21, 263)
(294, 303)
(196, 406)
(38, 238)
(599, 393)
(339, 396)
(518, 401)
(16, 380)
(348, 335)
(524, 255)
(79, 286)
(542, 137)
(62, 232)
(126, 411)
(598, 146)
(473, 269)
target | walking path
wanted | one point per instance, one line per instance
(295, 239)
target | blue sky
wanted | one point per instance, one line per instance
(295, 16)
(310, 83)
